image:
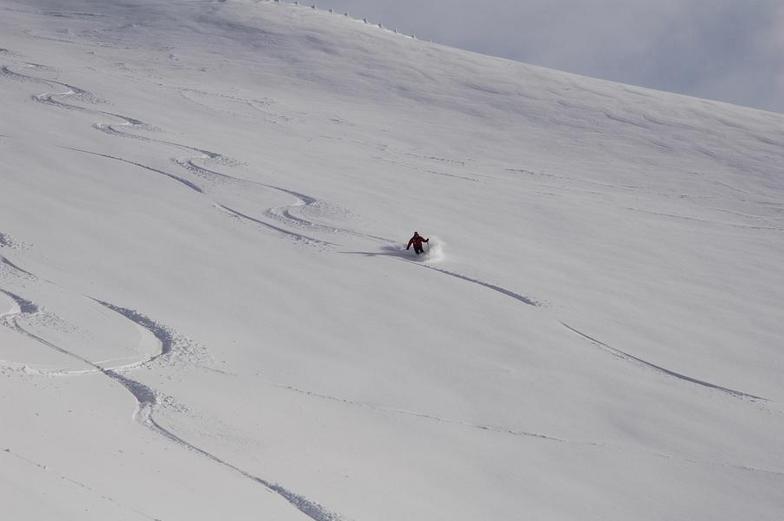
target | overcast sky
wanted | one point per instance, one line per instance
(731, 50)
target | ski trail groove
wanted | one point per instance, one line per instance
(392, 251)
(188, 164)
(4, 260)
(514, 432)
(25, 306)
(706, 221)
(76, 483)
(294, 235)
(499, 289)
(163, 334)
(147, 399)
(631, 358)
(425, 416)
(178, 179)
(310, 508)
(84, 95)
(175, 347)
(282, 213)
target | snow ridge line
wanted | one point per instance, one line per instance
(628, 357)
(379, 25)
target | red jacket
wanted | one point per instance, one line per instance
(417, 241)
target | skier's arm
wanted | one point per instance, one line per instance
(410, 242)
(427, 240)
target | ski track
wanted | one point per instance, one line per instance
(499, 289)
(173, 177)
(164, 335)
(25, 306)
(296, 236)
(392, 251)
(426, 416)
(255, 104)
(147, 400)
(145, 397)
(706, 221)
(454, 176)
(86, 96)
(616, 352)
(282, 213)
(631, 358)
(518, 433)
(76, 483)
(187, 164)
(25, 273)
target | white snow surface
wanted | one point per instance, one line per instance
(208, 311)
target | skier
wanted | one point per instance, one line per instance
(417, 241)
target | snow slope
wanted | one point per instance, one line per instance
(207, 313)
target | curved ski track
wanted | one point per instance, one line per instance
(76, 483)
(296, 236)
(515, 432)
(281, 213)
(14, 267)
(616, 352)
(147, 399)
(178, 179)
(188, 164)
(426, 416)
(631, 358)
(509, 293)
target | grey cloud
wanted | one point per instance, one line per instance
(729, 50)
